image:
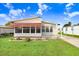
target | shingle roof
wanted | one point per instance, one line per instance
(29, 19)
(48, 22)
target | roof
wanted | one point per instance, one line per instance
(76, 25)
(21, 20)
(46, 22)
(37, 18)
(2, 26)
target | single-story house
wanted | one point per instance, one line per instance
(33, 28)
(5, 29)
(71, 30)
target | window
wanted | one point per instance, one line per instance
(43, 29)
(26, 29)
(32, 29)
(18, 30)
(37, 30)
(51, 29)
(47, 29)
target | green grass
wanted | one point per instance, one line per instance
(72, 35)
(76, 36)
(36, 48)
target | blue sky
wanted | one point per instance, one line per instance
(60, 13)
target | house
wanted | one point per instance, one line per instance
(33, 28)
(71, 30)
(5, 29)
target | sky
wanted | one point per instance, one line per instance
(59, 13)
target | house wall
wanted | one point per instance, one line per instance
(75, 30)
(27, 35)
(49, 33)
(67, 30)
(41, 34)
(6, 30)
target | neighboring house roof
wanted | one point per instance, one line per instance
(76, 25)
(2, 26)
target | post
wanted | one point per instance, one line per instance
(35, 29)
(22, 30)
(14, 31)
(61, 31)
(30, 30)
(45, 28)
(49, 29)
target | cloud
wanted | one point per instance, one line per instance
(42, 8)
(73, 14)
(68, 13)
(17, 14)
(8, 5)
(39, 12)
(28, 8)
(5, 17)
(13, 14)
(24, 10)
(68, 9)
(69, 6)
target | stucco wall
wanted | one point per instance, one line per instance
(5, 30)
(75, 30)
(27, 34)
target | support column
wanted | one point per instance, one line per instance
(35, 29)
(30, 30)
(45, 29)
(49, 28)
(41, 29)
(22, 30)
(14, 31)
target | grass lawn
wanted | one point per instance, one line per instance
(76, 36)
(36, 48)
(72, 35)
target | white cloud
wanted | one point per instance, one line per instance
(13, 14)
(17, 12)
(5, 17)
(73, 14)
(69, 6)
(2, 15)
(28, 8)
(45, 7)
(8, 5)
(24, 10)
(39, 12)
(42, 7)
(68, 13)
(68, 9)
